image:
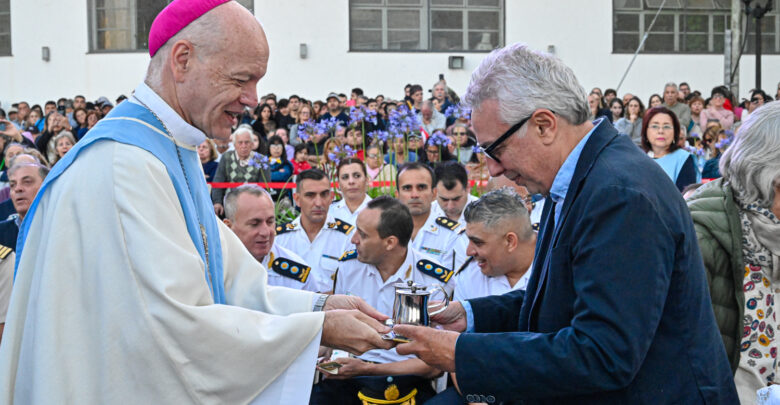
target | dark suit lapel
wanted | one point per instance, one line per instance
(539, 270)
(599, 139)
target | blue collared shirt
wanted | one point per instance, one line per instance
(558, 190)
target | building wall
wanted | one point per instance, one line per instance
(579, 31)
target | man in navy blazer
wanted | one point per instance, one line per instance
(617, 310)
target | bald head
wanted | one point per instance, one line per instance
(208, 72)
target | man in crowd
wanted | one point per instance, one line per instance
(430, 118)
(439, 92)
(122, 257)
(452, 191)
(685, 90)
(320, 238)
(671, 101)
(382, 258)
(610, 315)
(294, 104)
(335, 110)
(24, 179)
(416, 96)
(23, 111)
(283, 118)
(240, 166)
(250, 214)
(626, 98)
(501, 246)
(432, 235)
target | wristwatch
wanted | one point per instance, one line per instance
(319, 304)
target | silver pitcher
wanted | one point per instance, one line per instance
(411, 305)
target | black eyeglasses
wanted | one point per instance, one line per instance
(488, 150)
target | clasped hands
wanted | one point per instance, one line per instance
(353, 325)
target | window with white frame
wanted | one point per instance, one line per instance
(5, 27)
(426, 25)
(686, 26)
(123, 25)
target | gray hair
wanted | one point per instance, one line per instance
(43, 171)
(240, 130)
(231, 199)
(752, 163)
(500, 206)
(65, 134)
(670, 84)
(201, 32)
(523, 80)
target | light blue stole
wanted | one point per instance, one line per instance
(133, 124)
(673, 162)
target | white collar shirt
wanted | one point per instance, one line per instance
(441, 243)
(472, 283)
(324, 252)
(340, 210)
(277, 279)
(184, 133)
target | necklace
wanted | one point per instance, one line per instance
(203, 239)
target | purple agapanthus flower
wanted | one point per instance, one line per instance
(458, 111)
(378, 135)
(259, 161)
(439, 139)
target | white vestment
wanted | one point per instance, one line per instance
(111, 304)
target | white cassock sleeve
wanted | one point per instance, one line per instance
(111, 304)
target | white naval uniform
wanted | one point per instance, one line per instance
(472, 283)
(324, 252)
(7, 258)
(287, 269)
(439, 239)
(339, 209)
(439, 212)
(364, 280)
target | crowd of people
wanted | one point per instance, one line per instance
(414, 202)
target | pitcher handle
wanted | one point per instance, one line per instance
(444, 305)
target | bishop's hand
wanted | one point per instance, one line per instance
(353, 302)
(353, 331)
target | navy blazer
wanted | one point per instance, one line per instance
(8, 233)
(623, 316)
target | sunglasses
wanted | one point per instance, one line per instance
(489, 150)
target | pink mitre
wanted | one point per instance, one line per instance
(174, 17)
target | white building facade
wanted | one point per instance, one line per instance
(60, 48)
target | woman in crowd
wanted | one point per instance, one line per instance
(80, 116)
(305, 113)
(716, 110)
(718, 142)
(354, 138)
(660, 139)
(63, 142)
(696, 105)
(328, 158)
(289, 149)
(34, 120)
(736, 221)
(463, 141)
(264, 124)
(631, 123)
(281, 168)
(757, 98)
(353, 185)
(655, 101)
(436, 153)
(207, 152)
(92, 118)
(300, 161)
(374, 161)
(55, 123)
(616, 108)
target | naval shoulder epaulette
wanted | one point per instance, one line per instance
(341, 226)
(5, 251)
(434, 270)
(348, 255)
(291, 269)
(283, 228)
(447, 223)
